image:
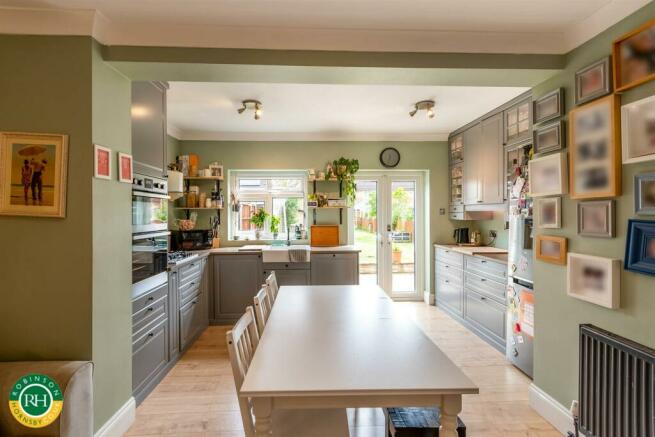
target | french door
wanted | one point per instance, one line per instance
(388, 227)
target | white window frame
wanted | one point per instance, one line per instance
(234, 175)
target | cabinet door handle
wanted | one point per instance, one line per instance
(447, 281)
(483, 298)
(483, 280)
(151, 298)
(192, 284)
(483, 261)
(194, 302)
(149, 309)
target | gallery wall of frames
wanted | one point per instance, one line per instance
(581, 153)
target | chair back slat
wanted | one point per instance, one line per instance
(262, 308)
(242, 341)
(271, 284)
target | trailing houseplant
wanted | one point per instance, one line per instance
(345, 170)
(259, 219)
(275, 226)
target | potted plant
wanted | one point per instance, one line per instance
(345, 170)
(396, 255)
(275, 226)
(259, 219)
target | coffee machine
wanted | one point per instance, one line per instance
(461, 236)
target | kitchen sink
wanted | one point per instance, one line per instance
(279, 254)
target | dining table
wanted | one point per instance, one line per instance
(349, 346)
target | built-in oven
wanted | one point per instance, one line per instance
(149, 260)
(149, 204)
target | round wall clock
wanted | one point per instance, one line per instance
(390, 157)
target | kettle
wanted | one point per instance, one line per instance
(461, 235)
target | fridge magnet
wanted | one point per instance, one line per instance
(595, 143)
(638, 130)
(549, 107)
(594, 279)
(633, 57)
(645, 193)
(33, 174)
(101, 162)
(549, 212)
(551, 249)
(596, 218)
(549, 176)
(640, 247)
(125, 168)
(549, 138)
(593, 81)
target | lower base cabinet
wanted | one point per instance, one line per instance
(149, 359)
(236, 278)
(335, 268)
(289, 273)
(193, 320)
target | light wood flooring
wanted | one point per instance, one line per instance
(197, 398)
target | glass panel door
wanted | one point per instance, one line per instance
(366, 230)
(402, 236)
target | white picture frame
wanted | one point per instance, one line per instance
(594, 279)
(638, 145)
(101, 162)
(548, 212)
(548, 175)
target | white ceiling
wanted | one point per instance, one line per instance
(503, 26)
(208, 111)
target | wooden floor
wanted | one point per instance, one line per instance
(197, 398)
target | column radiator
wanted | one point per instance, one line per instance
(617, 385)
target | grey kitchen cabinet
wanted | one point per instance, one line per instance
(193, 320)
(473, 166)
(449, 279)
(487, 317)
(335, 268)
(483, 179)
(149, 128)
(289, 273)
(173, 314)
(236, 279)
(193, 298)
(517, 122)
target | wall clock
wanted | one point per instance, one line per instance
(389, 157)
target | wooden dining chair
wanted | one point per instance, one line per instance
(242, 341)
(271, 283)
(262, 308)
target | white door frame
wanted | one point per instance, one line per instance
(384, 259)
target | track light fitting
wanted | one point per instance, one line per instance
(423, 105)
(255, 105)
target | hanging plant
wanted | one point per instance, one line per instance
(345, 170)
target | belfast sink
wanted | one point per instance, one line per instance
(280, 254)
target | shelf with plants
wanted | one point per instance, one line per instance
(341, 171)
(187, 185)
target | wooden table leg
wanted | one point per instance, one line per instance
(263, 410)
(450, 408)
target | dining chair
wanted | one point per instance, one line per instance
(271, 282)
(242, 341)
(262, 308)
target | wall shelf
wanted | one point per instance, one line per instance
(187, 184)
(340, 208)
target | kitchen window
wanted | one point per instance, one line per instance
(281, 194)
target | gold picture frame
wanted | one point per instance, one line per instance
(33, 174)
(551, 249)
(622, 48)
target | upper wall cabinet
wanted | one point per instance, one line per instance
(483, 157)
(473, 165)
(149, 128)
(456, 149)
(517, 122)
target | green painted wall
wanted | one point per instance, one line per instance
(558, 316)
(431, 156)
(112, 248)
(45, 264)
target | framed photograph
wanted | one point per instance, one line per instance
(638, 130)
(551, 249)
(548, 175)
(594, 279)
(101, 162)
(640, 247)
(549, 138)
(633, 57)
(596, 218)
(595, 148)
(125, 168)
(645, 193)
(593, 81)
(33, 174)
(548, 107)
(548, 212)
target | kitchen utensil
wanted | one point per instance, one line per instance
(461, 235)
(476, 238)
(325, 235)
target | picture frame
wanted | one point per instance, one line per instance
(640, 247)
(551, 249)
(548, 175)
(594, 279)
(33, 174)
(549, 138)
(645, 193)
(638, 130)
(548, 212)
(593, 81)
(629, 70)
(125, 168)
(549, 106)
(595, 149)
(101, 162)
(596, 218)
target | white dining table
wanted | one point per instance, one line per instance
(347, 346)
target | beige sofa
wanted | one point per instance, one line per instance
(75, 379)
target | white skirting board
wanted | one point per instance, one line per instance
(551, 410)
(428, 298)
(120, 422)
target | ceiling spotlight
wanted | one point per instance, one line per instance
(423, 105)
(255, 105)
